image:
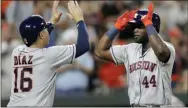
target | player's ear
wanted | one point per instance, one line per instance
(41, 35)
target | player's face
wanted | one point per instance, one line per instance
(140, 34)
(45, 37)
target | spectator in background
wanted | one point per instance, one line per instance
(109, 11)
(91, 9)
(9, 42)
(40, 7)
(184, 52)
(73, 79)
(178, 13)
(182, 86)
(175, 35)
(4, 5)
(16, 12)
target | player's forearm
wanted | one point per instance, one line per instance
(85, 70)
(65, 68)
(104, 44)
(82, 45)
(106, 41)
(157, 44)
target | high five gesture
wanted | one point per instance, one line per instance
(56, 15)
(75, 11)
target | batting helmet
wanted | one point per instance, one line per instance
(31, 27)
(155, 19)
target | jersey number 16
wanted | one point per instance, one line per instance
(23, 80)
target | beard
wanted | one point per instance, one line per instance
(141, 39)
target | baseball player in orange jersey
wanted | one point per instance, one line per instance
(148, 61)
(34, 66)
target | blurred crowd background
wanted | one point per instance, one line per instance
(89, 75)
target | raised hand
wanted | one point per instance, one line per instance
(123, 20)
(56, 15)
(147, 19)
(75, 11)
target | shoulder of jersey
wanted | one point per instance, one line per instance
(168, 43)
(133, 45)
(18, 47)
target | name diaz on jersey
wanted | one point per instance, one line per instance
(21, 61)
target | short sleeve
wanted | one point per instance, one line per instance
(86, 60)
(119, 53)
(61, 55)
(172, 53)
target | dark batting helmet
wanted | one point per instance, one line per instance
(155, 19)
(31, 27)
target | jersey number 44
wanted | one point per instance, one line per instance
(152, 81)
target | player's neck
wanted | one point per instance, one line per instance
(145, 47)
(36, 45)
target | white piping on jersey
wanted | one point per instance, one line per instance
(142, 56)
(140, 79)
(114, 56)
(163, 91)
(73, 55)
(33, 49)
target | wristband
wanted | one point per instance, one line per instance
(151, 30)
(50, 27)
(112, 33)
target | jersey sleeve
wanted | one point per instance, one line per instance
(86, 60)
(172, 53)
(119, 53)
(60, 55)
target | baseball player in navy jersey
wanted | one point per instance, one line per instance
(148, 61)
(33, 65)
